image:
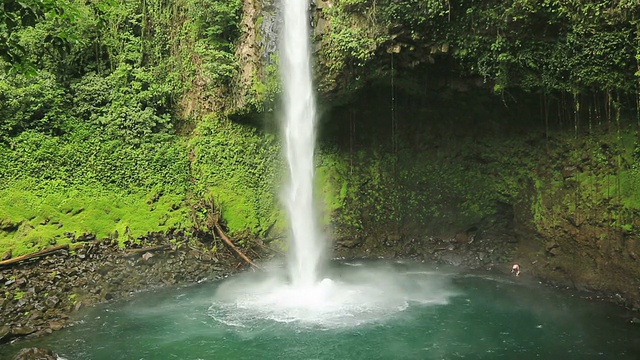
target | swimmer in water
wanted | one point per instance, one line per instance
(516, 269)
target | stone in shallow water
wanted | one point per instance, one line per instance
(35, 354)
(55, 325)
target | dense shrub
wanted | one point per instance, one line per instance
(33, 103)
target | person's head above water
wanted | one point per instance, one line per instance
(516, 269)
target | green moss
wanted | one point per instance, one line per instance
(237, 167)
(265, 86)
(629, 183)
(602, 185)
(331, 183)
(378, 191)
(45, 218)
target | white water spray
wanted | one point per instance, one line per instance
(299, 132)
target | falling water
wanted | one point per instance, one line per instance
(299, 131)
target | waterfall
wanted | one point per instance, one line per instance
(300, 135)
(350, 295)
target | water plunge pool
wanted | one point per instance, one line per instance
(367, 310)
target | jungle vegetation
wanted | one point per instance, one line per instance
(115, 114)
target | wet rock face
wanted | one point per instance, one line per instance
(38, 296)
(488, 244)
(583, 217)
(486, 248)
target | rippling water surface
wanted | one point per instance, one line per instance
(372, 310)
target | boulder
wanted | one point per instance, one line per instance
(35, 354)
(23, 330)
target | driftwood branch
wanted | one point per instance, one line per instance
(43, 252)
(235, 249)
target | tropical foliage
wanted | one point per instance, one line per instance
(91, 106)
(125, 100)
(551, 45)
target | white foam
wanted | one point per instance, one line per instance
(354, 297)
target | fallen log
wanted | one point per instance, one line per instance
(36, 254)
(237, 251)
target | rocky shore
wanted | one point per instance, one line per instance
(38, 295)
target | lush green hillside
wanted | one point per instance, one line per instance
(113, 123)
(124, 116)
